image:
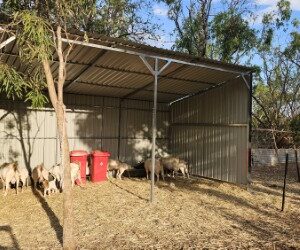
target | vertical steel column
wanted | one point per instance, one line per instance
(154, 129)
(249, 86)
(155, 73)
(250, 124)
(119, 128)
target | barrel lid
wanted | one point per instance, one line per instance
(100, 153)
(78, 153)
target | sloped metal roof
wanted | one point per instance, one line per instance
(99, 71)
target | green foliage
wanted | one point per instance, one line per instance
(41, 6)
(295, 43)
(36, 98)
(192, 38)
(192, 29)
(225, 36)
(35, 43)
(292, 51)
(34, 36)
(273, 21)
(296, 23)
(284, 11)
(11, 82)
(35, 90)
(129, 19)
(232, 35)
(15, 85)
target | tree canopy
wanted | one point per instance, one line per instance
(127, 19)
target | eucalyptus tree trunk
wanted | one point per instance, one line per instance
(56, 98)
(68, 218)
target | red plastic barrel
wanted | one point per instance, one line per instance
(81, 157)
(99, 165)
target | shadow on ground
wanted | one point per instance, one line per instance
(9, 230)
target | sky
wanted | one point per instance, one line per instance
(167, 27)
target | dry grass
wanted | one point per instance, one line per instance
(187, 214)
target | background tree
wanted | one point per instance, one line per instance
(276, 92)
(192, 28)
(225, 35)
(292, 52)
(232, 38)
(276, 96)
(127, 19)
(122, 19)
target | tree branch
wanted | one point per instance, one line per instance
(264, 110)
(62, 65)
(50, 84)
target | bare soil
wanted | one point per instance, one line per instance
(187, 214)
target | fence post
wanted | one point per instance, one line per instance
(297, 165)
(284, 182)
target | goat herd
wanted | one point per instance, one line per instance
(12, 173)
(51, 180)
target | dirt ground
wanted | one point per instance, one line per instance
(187, 214)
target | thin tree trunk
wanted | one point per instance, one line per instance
(68, 227)
(68, 224)
(57, 102)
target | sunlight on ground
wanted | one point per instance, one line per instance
(194, 213)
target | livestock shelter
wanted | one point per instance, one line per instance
(117, 92)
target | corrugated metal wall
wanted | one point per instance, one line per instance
(29, 135)
(210, 131)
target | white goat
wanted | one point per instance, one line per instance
(158, 168)
(175, 164)
(57, 172)
(23, 176)
(9, 174)
(120, 167)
